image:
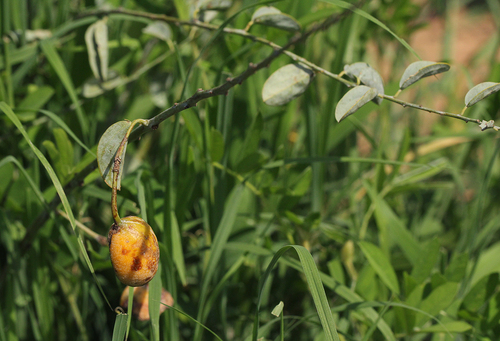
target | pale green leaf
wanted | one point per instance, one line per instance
(159, 29)
(106, 151)
(286, 83)
(271, 16)
(366, 75)
(278, 309)
(353, 100)
(418, 70)
(481, 91)
(214, 5)
(96, 38)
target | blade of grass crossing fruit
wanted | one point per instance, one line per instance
(129, 310)
(154, 304)
(177, 252)
(120, 328)
(58, 65)
(315, 286)
(57, 184)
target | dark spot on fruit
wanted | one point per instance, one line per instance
(125, 251)
(136, 265)
(148, 279)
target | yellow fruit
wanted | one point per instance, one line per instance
(134, 251)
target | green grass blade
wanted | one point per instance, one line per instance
(220, 239)
(63, 125)
(315, 285)
(32, 184)
(350, 296)
(195, 321)
(362, 13)
(55, 60)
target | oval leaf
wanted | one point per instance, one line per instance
(106, 151)
(159, 29)
(271, 16)
(96, 38)
(381, 264)
(366, 75)
(480, 92)
(421, 69)
(286, 83)
(353, 100)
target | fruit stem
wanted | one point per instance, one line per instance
(116, 170)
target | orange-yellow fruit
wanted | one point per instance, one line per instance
(134, 251)
(140, 307)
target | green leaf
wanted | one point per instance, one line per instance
(366, 75)
(480, 92)
(439, 299)
(106, 151)
(353, 100)
(392, 228)
(286, 83)
(424, 265)
(486, 264)
(65, 149)
(159, 29)
(448, 327)
(418, 70)
(455, 272)
(315, 286)
(381, 264)
(271, 16)
(480, 293)
(96, 38)
(216, 145)
(34, 101)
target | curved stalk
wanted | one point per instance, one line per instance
(116, 169)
